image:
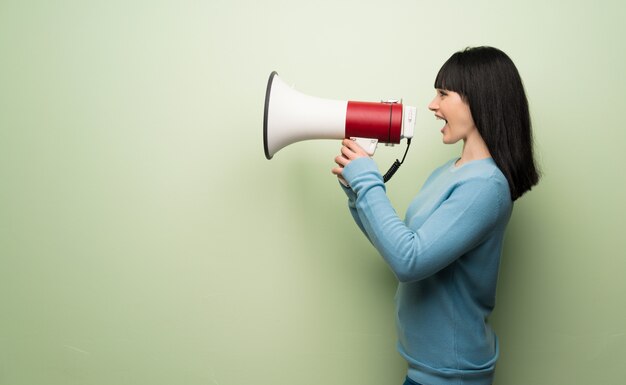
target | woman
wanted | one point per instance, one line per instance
(446, 252)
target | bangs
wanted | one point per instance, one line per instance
(452, 76)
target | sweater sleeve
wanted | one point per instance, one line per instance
(352, 206)
(459, 224)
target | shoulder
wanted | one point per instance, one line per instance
(482, 169)
(479, 171)
(476, 182)
(483, 181)
(441, 172)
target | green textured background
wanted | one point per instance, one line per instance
(144, 238)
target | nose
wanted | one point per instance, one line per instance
(434, 104)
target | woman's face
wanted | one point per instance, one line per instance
(449, 106)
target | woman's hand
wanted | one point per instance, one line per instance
(350, 150)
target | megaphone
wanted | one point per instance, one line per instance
(291, 116)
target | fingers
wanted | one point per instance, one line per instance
(350, 150)
(353, 149)
(347, 149)
(347, 152)
(341, 160)
(338, 172)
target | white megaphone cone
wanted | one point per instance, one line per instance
(291, 116)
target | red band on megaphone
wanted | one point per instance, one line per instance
(382, 121)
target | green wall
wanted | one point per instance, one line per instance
(145, 239)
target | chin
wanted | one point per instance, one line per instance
(449, 140)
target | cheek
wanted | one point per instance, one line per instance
(469, 122)
(468, 115)
(464, 119)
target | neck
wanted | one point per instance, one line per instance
(474, 148)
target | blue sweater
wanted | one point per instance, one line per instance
(446, 255)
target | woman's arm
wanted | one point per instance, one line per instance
(352, 206)
(459, 224)
(350, 150)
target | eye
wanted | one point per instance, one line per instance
(442, 93)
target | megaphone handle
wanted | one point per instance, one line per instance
(368, 144)
(371, 143)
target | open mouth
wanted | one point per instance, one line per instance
(441, 118)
